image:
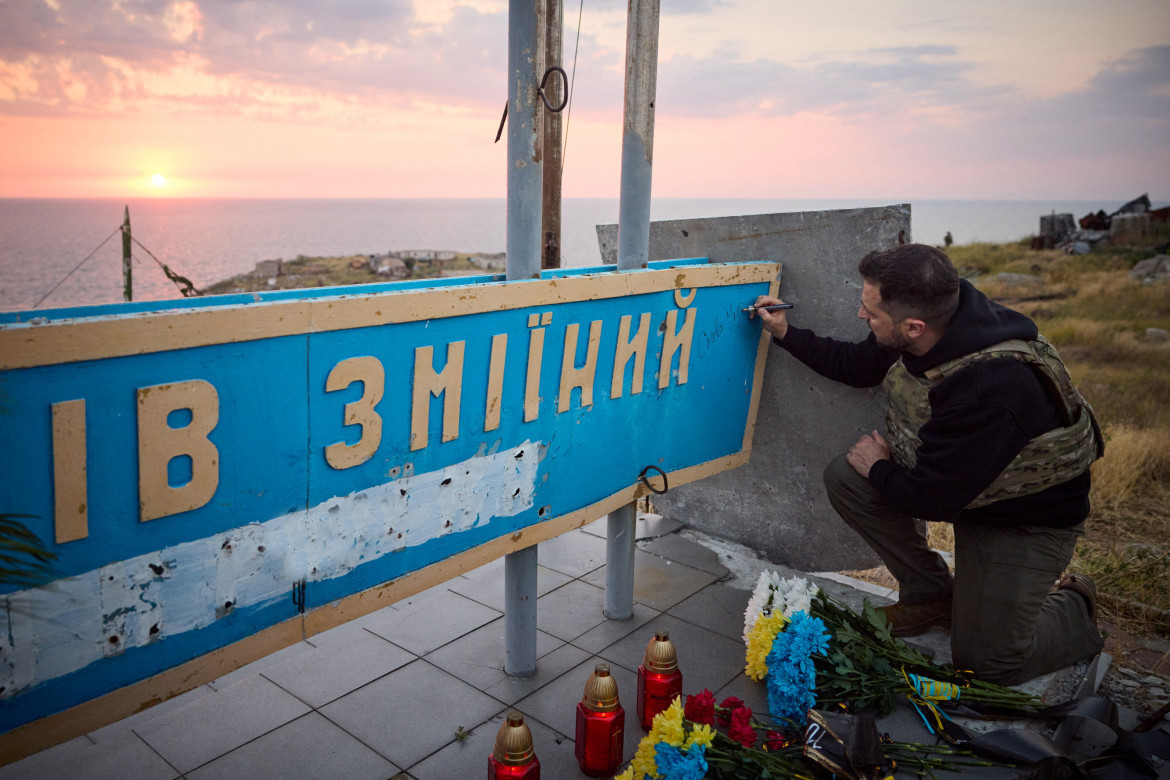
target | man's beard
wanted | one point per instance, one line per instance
(895, 341)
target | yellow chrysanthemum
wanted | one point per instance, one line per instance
(759, 643)
(701, 734)
(667, 726)
(626, 775)
(644, 765)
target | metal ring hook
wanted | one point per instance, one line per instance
(540, 91)
(646, 482)
(564, 83)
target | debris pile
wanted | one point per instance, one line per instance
(1128, 224)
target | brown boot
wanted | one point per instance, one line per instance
(1083, 586)
(914, 619)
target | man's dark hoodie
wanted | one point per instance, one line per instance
(981, 417)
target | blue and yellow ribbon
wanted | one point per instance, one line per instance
(926, 695)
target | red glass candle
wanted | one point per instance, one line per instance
(601, 725)
(659, 679)
(513, 756)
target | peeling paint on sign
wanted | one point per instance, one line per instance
(49, 632)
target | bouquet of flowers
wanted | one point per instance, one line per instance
(725, 741)
(810, 648)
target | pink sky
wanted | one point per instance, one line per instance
(388, 98)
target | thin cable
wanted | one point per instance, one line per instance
(87, 257)
(572, 82)
(186, 287)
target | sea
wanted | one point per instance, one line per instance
(57, 253)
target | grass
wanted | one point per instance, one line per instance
(1097, 316)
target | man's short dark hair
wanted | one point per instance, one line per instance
(915, 280)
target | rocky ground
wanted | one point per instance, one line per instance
(1139, 677)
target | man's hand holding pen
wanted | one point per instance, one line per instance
(775, 321)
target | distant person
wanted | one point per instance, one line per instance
(948, 240)
(985, 431)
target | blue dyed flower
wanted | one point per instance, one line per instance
(792, 678)
(675, 764)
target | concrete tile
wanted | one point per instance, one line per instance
(357, 624)
(432, 623)
(488, 588)
(599, 527)
(310, 747)
(117, 728)
(717, 608)
(659, 583)
(549, 667)
(555, 705)
(410, 602)
(706, 659)
(570, 611)
(682, 550)
(412, 712)
(334, 668)
(468, 759)
(575, 553)
(607, 632)
(123, 756)
(653, 526)
(478, 657)
(259, 665)
(209, 727)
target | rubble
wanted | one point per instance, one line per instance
(1129, 224)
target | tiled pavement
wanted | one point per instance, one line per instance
(418, 690)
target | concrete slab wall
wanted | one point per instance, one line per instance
(776, 504)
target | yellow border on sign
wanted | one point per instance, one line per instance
(26, 345)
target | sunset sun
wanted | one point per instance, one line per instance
(158, 180)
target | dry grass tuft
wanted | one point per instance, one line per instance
(940, 536)
(1137, 460)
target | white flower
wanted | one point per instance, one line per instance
(763, 600)
(774, 593)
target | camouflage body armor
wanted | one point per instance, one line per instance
(1049, 459)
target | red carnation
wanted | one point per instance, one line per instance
(776, 741)
(741, 727)
(700, 708)
(728, 706)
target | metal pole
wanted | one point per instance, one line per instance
(551, 218)
(127, 283)
(525, 174)
(525, 182)
(638, 135)
(633, 253)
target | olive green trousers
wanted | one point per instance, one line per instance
(1008, 625)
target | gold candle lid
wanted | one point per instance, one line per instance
(660, 654)
(513, 741)
(601, 691)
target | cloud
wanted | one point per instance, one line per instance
(113, 56)
(876, 81)
(1134, 86)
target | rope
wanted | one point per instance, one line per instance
(87, 257)
(572, 81)
(185, 285)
